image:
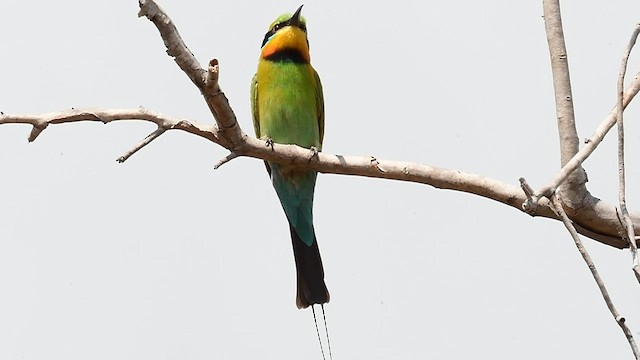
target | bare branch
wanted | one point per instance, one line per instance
(336, 164)
(557, 203)
(569, 142)
(42, 121)
(219, 106)
(292, 154)
(587, 211)
(573, 189)
(154, 135)
(530, 204)
(600, 217)
(225, 160)
(570, 181)
(592, 142)
(176, 48)
(206, 81)
(230, 132)
(626, 219)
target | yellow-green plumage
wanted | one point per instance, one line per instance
(291, 106)
(288, 108)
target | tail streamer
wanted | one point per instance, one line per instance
(313, 309)
(326, 331)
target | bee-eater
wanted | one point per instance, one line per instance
(288, 108)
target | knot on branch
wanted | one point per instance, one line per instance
(211, 87)
(530, 205)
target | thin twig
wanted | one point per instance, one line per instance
(557, 203)
(592, 143)
(530, 204)
(225, 160)
(628, 224)
(144, 142)
(528, 191)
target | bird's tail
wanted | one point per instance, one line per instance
(310, 273)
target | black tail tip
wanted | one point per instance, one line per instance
(303, 302)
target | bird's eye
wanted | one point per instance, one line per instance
(277, 27)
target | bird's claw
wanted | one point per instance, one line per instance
(376, 164)
(314, 153)
(269, 143)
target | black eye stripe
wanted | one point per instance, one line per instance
(270, 33)
(266, 37)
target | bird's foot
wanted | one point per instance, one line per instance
(376, 164)
(313, 153)
(269, 143)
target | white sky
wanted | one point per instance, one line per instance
(164, 258)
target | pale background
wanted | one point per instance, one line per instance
(164, 258)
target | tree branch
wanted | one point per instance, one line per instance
(584, 209)
(593, 214)
(291, 154)
(600, 217)
(42, 121)
(573, 190)
(572, 187)
(591, 143)
(626, 219)
(569, 182)
(326, 163)
(206, 81)
(176, 48)
(557, 203)
(569, 142)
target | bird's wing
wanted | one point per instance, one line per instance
(254, 105)
(319, 106)
(256, 113)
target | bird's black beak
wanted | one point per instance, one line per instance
(295, 18)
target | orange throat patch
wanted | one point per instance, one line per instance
(287, 38)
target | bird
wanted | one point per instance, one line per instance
(288, 108)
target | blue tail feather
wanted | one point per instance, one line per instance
(295, 189)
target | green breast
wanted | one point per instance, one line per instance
(287, 94)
